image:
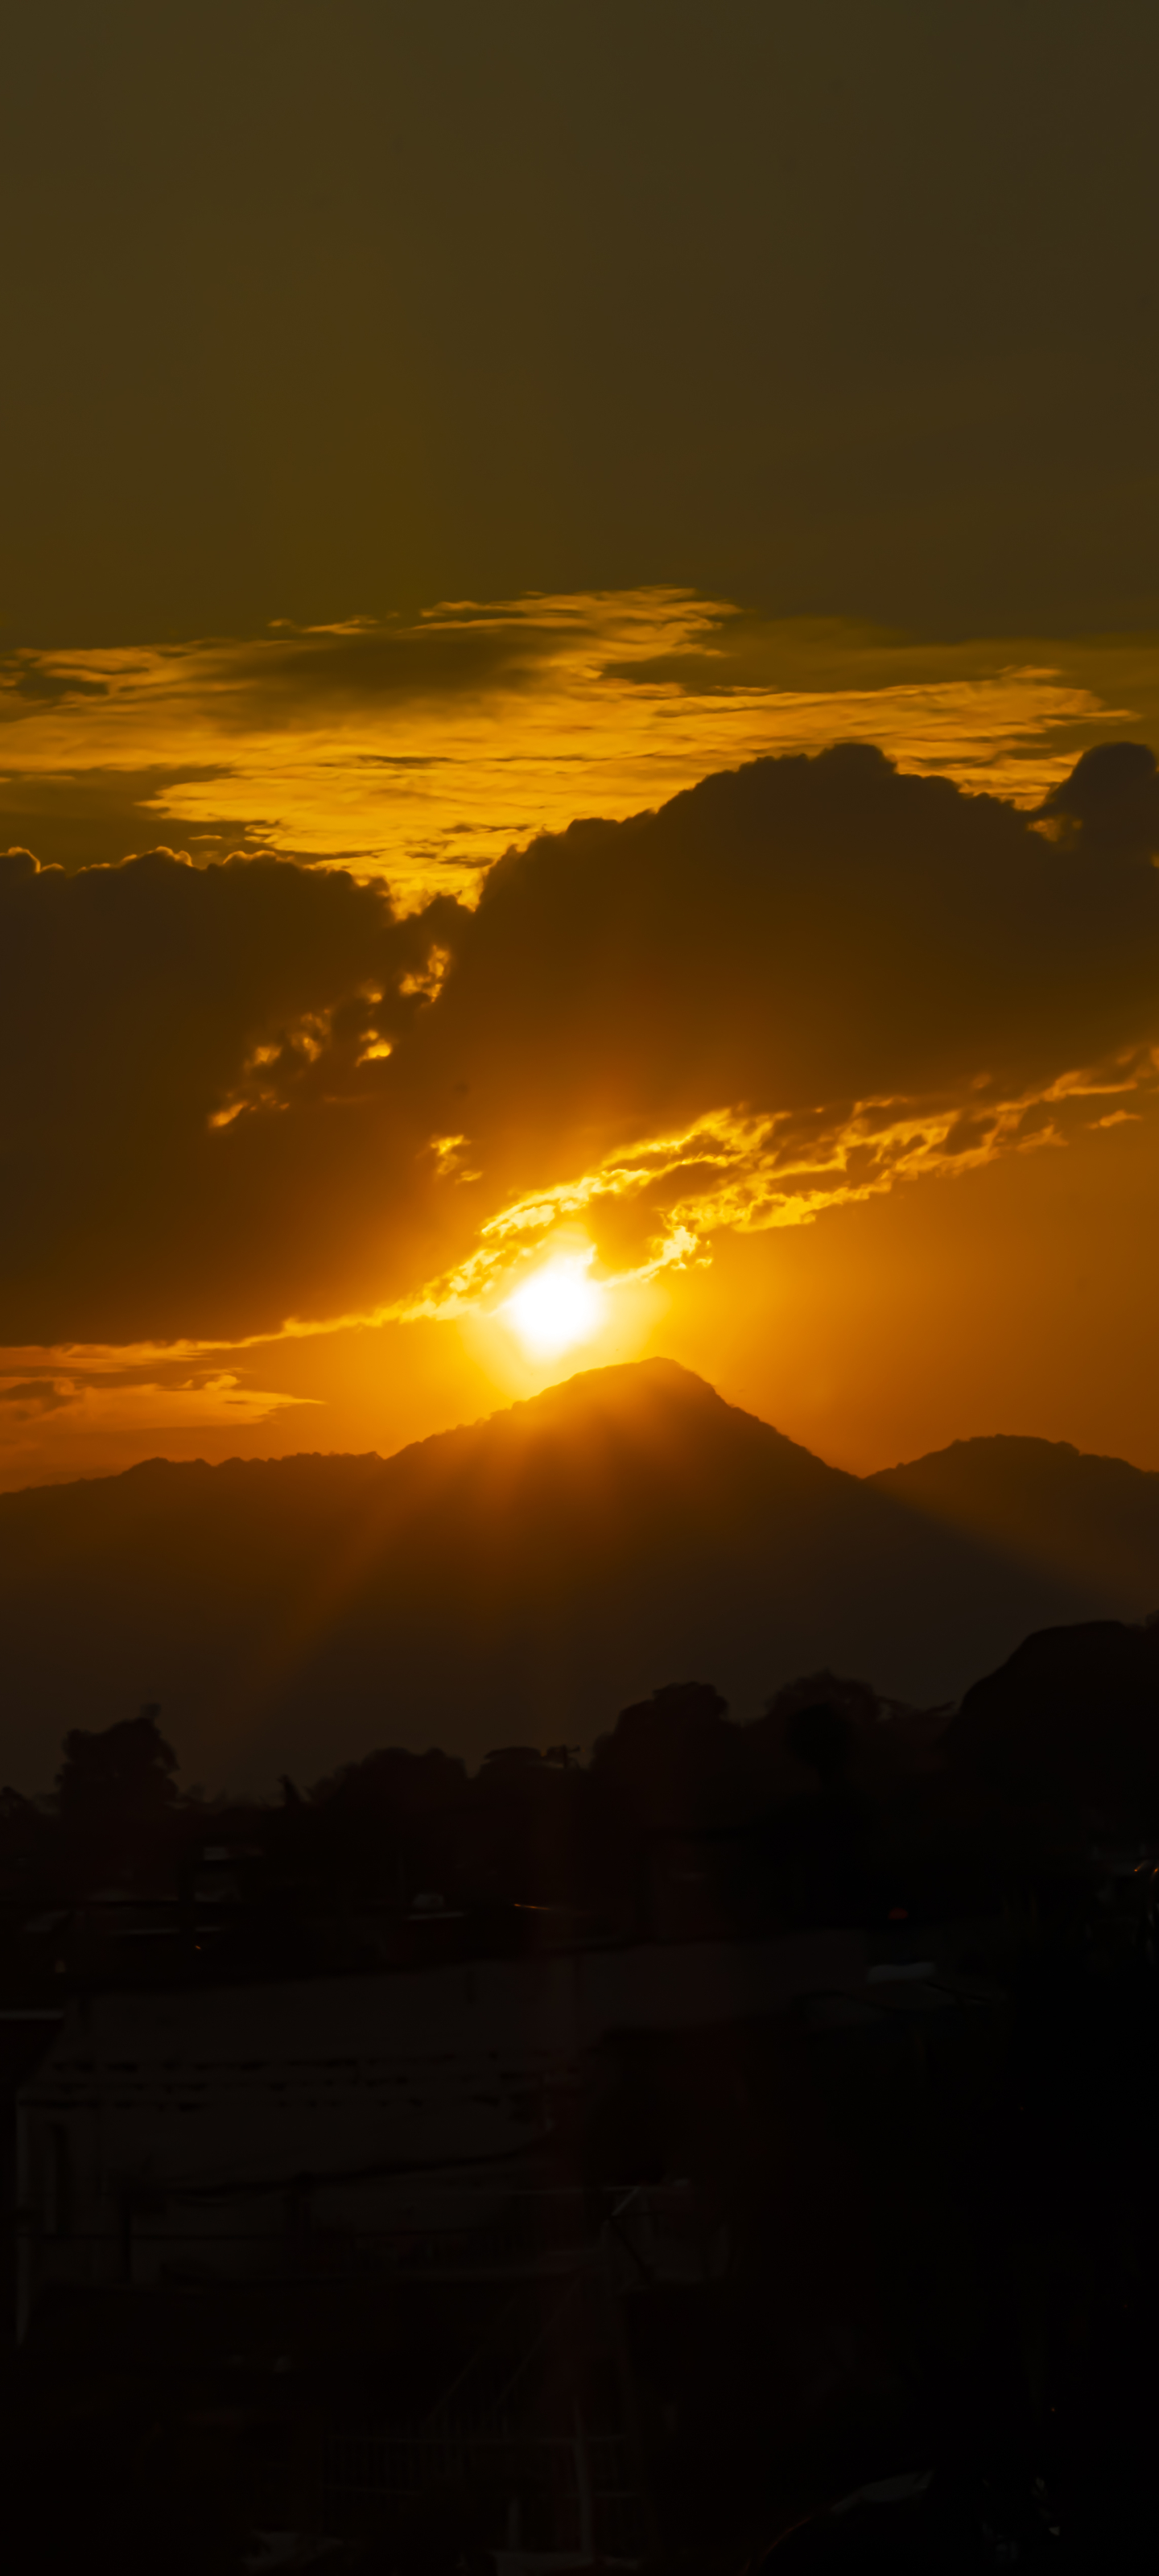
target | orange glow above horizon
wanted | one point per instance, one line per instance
(688, 1190)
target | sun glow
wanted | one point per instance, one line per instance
(557, 1306)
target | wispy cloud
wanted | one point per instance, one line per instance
(71, 1407)
(661, 1203)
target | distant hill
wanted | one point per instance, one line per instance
(1090, 1522)
(521, 1580)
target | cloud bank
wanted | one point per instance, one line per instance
(250, 1092)
(421, 750)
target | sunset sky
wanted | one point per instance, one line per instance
(579, 673)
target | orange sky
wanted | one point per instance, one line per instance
(1019, 1298)
(427, 429)
(864, 1270)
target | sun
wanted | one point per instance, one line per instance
(558, 1306)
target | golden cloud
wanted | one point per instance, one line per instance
(253, 1098)
(420, 751)
(736, 1174)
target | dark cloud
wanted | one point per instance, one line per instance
(89, 817)
(139, 1004)
(792, 934)
(34, 1394)
(1110, 801)
(311, 675)
(248, 1091)
(26, 676)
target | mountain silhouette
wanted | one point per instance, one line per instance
(522, 1579)
(1089, 1521)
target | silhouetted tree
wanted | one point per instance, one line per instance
(670, 1766)
(821, 1737)
(850, 1747)
(381, 1822)
(22, 1828)
(125, 1771)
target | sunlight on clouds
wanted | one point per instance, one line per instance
(795, 988)
(737, 1174)
(56, 1419)
(646, 1217)
(77, 1404)
(423, 751)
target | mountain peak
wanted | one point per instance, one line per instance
(523, 1578)
(620, 1376)
(620, 1385)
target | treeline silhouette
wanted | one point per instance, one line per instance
(834, 1807)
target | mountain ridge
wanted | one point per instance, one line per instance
(971, 1444)
(1080, 1512)
(521, 1577)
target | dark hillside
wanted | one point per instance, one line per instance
(1068, 1728)
(514, 1581)
(1089, 1521)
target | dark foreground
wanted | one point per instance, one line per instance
(598, 2166)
